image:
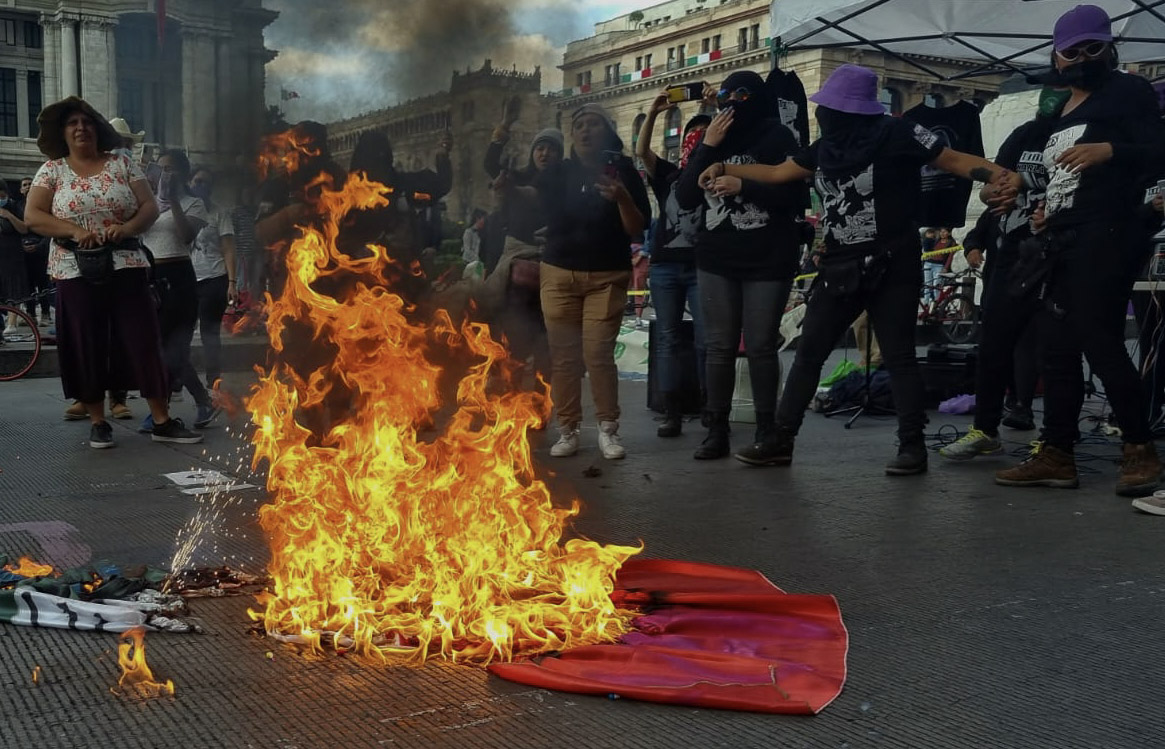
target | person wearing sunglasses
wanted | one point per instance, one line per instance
(746, 256)
(866, 167)
(1108, 135)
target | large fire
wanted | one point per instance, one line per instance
(386, 542)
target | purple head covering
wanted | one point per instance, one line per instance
(1084, 23)
(852, 89)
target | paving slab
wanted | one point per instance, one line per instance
(979, 616)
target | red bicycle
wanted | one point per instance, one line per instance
(953, 307)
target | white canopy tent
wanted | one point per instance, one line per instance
(999, 36)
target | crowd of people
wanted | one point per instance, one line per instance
(1066, 233)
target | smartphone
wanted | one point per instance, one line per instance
(611, 164)
(685, 92)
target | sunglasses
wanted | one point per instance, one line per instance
(1072, 54)
(723, 96)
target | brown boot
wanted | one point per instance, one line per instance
(1140, 471)
(1045, 466)
(76, 412)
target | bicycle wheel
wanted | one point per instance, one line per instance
(19, 349)
(959, 318)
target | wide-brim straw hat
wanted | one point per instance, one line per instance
(51, 140)
(121, 127)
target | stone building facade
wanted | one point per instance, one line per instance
(201, 88)
(468, 111)
(632, 58)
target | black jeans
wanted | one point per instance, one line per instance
(892, 303)
(1089, 289)
(177, 316)
(730, 307)
(212, 303)
(1008, 345)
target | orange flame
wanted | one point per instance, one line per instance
(283, 153)
(136, 676)
(28, 568)
(383, 541)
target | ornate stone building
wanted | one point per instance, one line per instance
(201, 88)
(469, 110)
(631, 58)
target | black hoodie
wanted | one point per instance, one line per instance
(753, 235)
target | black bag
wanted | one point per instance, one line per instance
(1034, 264)
(96, 263)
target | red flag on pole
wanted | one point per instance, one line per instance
(160, 6)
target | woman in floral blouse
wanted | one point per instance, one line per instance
(107, 331)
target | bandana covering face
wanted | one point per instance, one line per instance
(691, 140)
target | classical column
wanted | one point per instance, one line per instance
(97, 50)
(52, 61)
(69, 83)
(227, 124)
(22, 128)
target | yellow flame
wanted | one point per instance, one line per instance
(384, 541)
(28, 568)
(136, 677)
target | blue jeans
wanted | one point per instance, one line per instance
(671, 285)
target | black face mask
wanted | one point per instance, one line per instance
(1088, 75)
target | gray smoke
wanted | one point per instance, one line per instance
(356, 55)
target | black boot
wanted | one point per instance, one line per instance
(1020, 417)
(773, 446)
(716, 445)
(911, 458)
(673, 417)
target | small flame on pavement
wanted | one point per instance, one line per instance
(26, 567)
(36, 675)
(136, 677)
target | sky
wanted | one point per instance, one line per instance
(346, 57)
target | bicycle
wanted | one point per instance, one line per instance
(954, 306)
(19, 351)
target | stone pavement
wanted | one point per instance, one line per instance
(979, 617)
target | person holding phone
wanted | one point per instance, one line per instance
(747, 253)
(595, 204)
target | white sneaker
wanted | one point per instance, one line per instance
(12, 331)
(567, 444)
(609, 442)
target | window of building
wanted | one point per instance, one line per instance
(35, 101)
(8, 32)
(705, 45)
(742, 39)
(716, 43)
(647, 62)
(754, 36)
(938, 101)
(672, 126)
(891, 99)
(33, 35)
(8, 102)
(618, 71)
(671, 58)
(639, 63)
(636, 127)
(608, 74)
(587, 78)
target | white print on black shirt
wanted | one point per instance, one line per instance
(926, 138)
(850, 217)
(788, 110)
(685, 223)
(744, 216)
(934, 178)
(1035, 180)
(1062, 183)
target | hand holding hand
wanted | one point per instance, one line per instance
(715, 133)
(709, 176)
(84, 238)
(1085, 155)
(726, 187)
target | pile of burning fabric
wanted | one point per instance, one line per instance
(108, 598)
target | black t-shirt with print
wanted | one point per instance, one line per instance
(945, 196)
(674, 238)
(583, 229)
(753, 235)
(1123, 112)
(1023, 153)
(879, 202)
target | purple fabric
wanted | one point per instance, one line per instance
(1084, 23)
(851, 88)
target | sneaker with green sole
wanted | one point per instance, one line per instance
(972, 444)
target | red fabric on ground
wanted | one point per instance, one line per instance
(711, 636)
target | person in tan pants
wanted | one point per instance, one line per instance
(594, 203)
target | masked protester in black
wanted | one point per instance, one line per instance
(746, 256)
(866, 167)
(1009, 314)
(1108, 134)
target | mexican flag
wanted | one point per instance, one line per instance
(638, 75)
(706, 57)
